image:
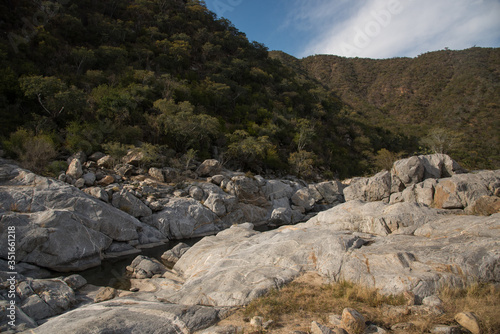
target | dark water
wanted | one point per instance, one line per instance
(112, 272)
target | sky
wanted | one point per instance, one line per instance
(364, 28)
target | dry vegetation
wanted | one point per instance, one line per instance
(309, 298)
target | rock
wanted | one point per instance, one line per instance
(404, 327)
(222, 330)
(469, 321)
(130, 204)
(89, 179)
(75, 169)
(49, 298)
(98, 193)
(125, 170)
(69, 236)
(22, 320)
(444, 329)
(257, 321)
(156, 174)
(438, 166)
(484, 206)
(217, 179)
(373, 329)
(79, 155)
(134, 157)
(196, 193)
(132, 315)
(331, 191)
(276, 189)
(352, 321)
(303, 198)
(422, 192)
(147, 266)
(106, 162)
(80, 183)
(281, 216)
(75, 281)
(104, 293)
(317, 328)
(184, 218)
(106, 181)
(173, 255)
(433, 301)
(247, 190)
(407, 172)
(96, 156)
(462, 190)
(335, 320)
(209, 168)
(170, 174)
(375, 188)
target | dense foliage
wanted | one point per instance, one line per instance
(448, 99)
(170, 77)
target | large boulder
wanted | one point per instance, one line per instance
(462, 190)
(375, 188)
(127, 202)
(209, 167)
(413, 170)
(184, 218)
(414, 248)
(132, 315)
(57, 225)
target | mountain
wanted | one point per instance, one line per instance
(449, 99)
(171, 79)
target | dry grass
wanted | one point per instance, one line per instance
(295, 306)
(482, 299)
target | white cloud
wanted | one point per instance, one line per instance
(390, 28)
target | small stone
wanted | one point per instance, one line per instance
(80, 183)
(353, 321)
(75, 281)
(106, 181)
(443, 329)
(335, 320)
(105, 293)
(372, 329)
(433, 301)
(317, 328)
(469, 321)
(75, 169)
(403, 326)
(257, 321)
(267, 324)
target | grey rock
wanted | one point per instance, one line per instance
(22, 320)
(156, 174)
(147, 265)
(173, 255)
(89, 179)
(444, 329)
(209, 168)
(352, 321)
(469, 321)
(196, 193)
(248, 191)
(276, 189)
(75, 281)
(50, 297)
(36, 308)
(98, 193)
(129, 315)
(75, 169)
(80, 183)
(79, 155)
(106, 162)
(96, 156)
(375, 188)
(220, 204)
(317, 328)
(330, 191)
(127, 202)
(58, 226)
(184, 218)
(134, 157)
(303, 198)
(217, 179)
(281, 216)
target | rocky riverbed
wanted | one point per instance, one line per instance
(423, 225)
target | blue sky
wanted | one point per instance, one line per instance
(364, 28)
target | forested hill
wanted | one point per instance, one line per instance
(448, 99)
(169, 77)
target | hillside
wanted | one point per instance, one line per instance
(448, 99)
(171, 78)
